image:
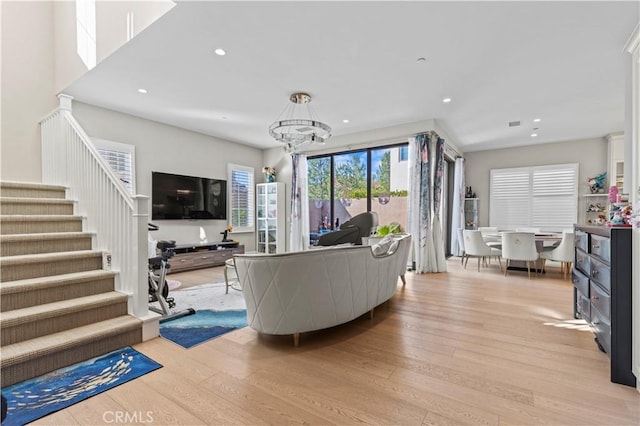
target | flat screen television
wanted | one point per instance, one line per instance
(187, 197)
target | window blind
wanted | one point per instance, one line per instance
(121, 159)
(544, 197)
(241, 206)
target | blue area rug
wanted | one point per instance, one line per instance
(40, 396)
(205, 324)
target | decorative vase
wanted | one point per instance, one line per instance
(269, 178)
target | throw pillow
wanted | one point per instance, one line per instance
(393, 247)
(382, 247)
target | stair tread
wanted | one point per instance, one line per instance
(35, 200)
(54, 256)
(39, 217)
(44, 236)
(16, 286)
(34, 348)
(48, 310)
(31, 185)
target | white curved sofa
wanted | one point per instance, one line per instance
(292, 293)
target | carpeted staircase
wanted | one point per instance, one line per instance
(57, 305)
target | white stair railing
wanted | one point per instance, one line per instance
(119, 220)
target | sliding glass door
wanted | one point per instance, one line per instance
(342, 185)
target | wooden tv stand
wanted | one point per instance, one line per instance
(202, 255)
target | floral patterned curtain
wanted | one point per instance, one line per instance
(426, 162)
(420, 203)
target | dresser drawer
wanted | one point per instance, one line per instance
(600, 272)
(581, 282)
(582, 241)
(602, 329)
(203, 259)
(583, 262)
(222, 255)
(180, 262)
(600, 246)
(601, 301)
(583, 306)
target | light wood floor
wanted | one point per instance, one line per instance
(462, 347)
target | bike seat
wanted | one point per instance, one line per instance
(163, 244)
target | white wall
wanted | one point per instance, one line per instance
(27, 86)
(590, 153)
(39, 59)
(163, 148)
(111, 32)
(111, 21)
(632, 154)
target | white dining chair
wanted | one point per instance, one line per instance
(563, 253)
(490, 235)
(474, 246)
(519, 246)
(488, 229)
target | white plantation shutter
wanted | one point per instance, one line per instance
(121, 158)
(544, 197)
(510, 203)
(241, 210)
(555, 197)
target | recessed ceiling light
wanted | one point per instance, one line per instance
(220, 52)
(446, 100)
(420, 60)
(142, 90)
(536, 120)
(533, 135)
(345, 121)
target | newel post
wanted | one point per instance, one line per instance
(60, 143)
(140, 240)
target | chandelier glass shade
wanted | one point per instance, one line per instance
(297, 125)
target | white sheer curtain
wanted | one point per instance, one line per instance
(299, 232)
(438, 179)
(457, 213)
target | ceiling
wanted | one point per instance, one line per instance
(562, 62)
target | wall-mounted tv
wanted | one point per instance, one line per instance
(187, 197)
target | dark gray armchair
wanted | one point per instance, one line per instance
(352, 231)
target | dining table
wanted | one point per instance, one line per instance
(543, 240)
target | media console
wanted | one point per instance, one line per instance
(202, 255)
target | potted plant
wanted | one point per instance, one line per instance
(394, 228)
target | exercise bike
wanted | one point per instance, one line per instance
(158, 288)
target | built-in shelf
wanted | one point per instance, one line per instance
(471, 213)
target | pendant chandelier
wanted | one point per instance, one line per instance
(297, 126)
